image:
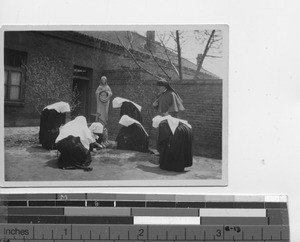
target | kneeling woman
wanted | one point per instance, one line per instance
(129, 108)
(174, 143)
(96, 130)
(73, 143)
(132, 136)
(52, 117)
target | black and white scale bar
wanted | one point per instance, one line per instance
(144, 232)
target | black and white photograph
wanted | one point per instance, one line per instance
(115, 105)
(108, 105)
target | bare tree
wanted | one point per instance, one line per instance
(167, 53)
(173, 55)
(170, 59)
(158, 64)
(164, 60)
(213, 40)
(131, 54)
(209, 42)
(179, 54)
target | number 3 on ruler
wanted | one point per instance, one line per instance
(218, 233)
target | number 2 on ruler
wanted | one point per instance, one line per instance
(141, 232)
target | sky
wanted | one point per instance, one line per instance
(191, 47)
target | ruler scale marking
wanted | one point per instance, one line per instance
(276, 227)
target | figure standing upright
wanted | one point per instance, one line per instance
(103, 95)
(168, 101)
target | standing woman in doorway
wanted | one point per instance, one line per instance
(103, 95)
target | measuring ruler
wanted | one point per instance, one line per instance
(143, 217)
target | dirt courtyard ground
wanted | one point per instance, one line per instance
(25, 160)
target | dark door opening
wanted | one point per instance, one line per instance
(80, 89)
(82, 79)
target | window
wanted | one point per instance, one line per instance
(14, 75)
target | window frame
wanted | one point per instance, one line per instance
(21, 100)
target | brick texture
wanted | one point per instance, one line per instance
(203, 110)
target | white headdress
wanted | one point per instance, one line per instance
(173, 122)
(77, 128)
(61, 107)
(96, 127)
(127, 121)
(118, 101)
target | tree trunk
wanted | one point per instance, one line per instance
(179, 55)
(200, 63)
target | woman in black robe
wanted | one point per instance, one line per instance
(175, 149)
(52, 117)
(128, 108)
(168, 101)
(73, 155)
(73, 143)
(132, 136)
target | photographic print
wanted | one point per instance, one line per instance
(115, 105)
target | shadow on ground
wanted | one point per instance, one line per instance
(157, 170)
(33, 163)
(52, 163)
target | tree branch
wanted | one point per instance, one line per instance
(134, 59)
(130, 39)
(213, 56)
(129, 72)
(169, 59)
(149, 49)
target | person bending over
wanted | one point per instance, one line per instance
(52, 117)
(73, 143)
(174, 143)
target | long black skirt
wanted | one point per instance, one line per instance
(73, 155)
(133, 138)
(129, 109)
(175, 149)
(50, 122)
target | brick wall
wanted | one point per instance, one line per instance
(202, 100)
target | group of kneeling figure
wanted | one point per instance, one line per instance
(75, 139)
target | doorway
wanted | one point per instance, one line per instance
(81, 88)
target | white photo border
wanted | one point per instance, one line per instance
(124, 183)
